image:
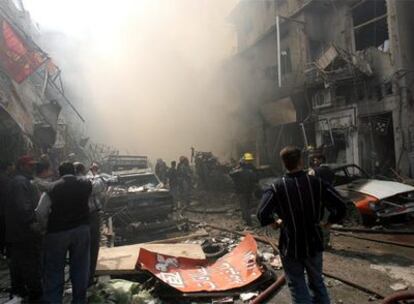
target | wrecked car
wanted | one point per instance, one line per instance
(376, 200)
(138, 206)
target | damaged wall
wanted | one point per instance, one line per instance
(372, 92)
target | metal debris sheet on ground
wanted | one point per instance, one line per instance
(234, 270)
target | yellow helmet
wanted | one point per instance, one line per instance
(248, 157)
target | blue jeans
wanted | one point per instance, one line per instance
(77, 242)
(295, 276)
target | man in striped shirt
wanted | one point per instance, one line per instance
(298, 200)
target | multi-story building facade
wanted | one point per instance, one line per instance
(331, 73)
(33, 106)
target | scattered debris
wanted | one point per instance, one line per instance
(123, 259)
(119, 291)
(248, 296)
(398, 286)
(400, 273)
(234, 270)
(139, 206)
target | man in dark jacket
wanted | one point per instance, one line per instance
(23, 235)
(67, 231)
(173, 179)
(299, 200)
(95, 214)
(6, 172)
(185, 181)
(320, 169)
(245, 180)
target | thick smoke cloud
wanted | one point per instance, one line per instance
(143, 72)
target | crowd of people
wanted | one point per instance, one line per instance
(50, 220)
(179, 178)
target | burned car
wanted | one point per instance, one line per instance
(376, 200)
(138, 206)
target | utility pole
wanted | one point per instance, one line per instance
(279, 67)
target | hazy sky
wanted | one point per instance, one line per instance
(143, 70)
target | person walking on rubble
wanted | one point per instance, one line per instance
(298, 200)
(23, 235)
(95, 215)
(66, 208)
(245, 180)
(185, 181)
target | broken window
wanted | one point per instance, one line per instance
(370, 25)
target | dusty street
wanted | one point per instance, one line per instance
(375, 266)
(165, 151)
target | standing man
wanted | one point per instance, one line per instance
(23, 235)
(319, 168)
(6, 172)
(299, 200)
(325, 173)
(67, 231)
(185, 181)
(173, 179)
(43, 176)
(95, 213)
(245, 180)
(161, 170)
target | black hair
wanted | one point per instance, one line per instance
(291, 157)
(4, 165)
(41, 166)
(79, 168)
(66, 168)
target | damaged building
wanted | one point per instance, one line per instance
(332, 74)
(36, 115)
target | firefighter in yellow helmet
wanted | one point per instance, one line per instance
(245, 180)
(248, 158)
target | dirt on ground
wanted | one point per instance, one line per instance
(379, 268)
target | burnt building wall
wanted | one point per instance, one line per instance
(349, 75)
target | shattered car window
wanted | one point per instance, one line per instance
(355, 172)
(349, 173)
(140, 180)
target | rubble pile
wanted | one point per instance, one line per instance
(212, 269)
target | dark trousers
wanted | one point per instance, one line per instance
(26, 269)
(245, 202)
(184, 191)
(295, 276)
(77, 242)
(95, 228)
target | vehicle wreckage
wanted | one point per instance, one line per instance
(376, 200)
(138, 206)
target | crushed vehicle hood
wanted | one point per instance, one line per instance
(377, 188)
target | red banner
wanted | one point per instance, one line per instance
(234, 270)
(18, 59)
